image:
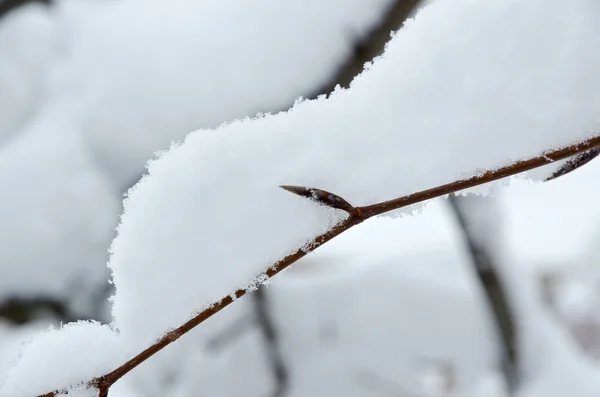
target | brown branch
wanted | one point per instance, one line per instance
(104, 382)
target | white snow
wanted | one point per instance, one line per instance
(85, 100)
(27, 45)
(539, 236)
(60, 358)
(370, 305)
(218, 61)
(428, 112)
(48, 204)
(455, 93)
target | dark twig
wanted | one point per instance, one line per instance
(363, 213)
(233, 332)
(267, 327)
(575, 162)
(491, 283)
(370, 46)
(22, 310)
(9, 5)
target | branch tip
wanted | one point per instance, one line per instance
(322, 197)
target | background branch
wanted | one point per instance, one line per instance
(575, 162)
(370, 46)
(8, 5)
(269, 332)
(471, 227)
(22, 310)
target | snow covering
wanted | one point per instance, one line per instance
(437, 106)
(59, 358)
(373, 301)
(83, 92)
(219, 60)
(472, 101)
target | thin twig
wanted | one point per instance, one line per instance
(575, 162)
(362, 213)
(232, 333)
(20, 310)
(490, 281)
(267, 327)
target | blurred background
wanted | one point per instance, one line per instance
(474, 296)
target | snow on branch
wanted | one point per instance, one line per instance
(356, 216)
(462, 94)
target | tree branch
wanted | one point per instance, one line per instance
(9, 5)
(22, 310)
(267, 328)
(491, 282)
(371, 45)
(574, 163)
(104, 382)
(365, 50)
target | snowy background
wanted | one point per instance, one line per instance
(91, 90)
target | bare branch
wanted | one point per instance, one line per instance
(371, 45)
(267, 326)
(233, 332)
(20, 310)
(104, 382)
(491, 283)
(9, 5)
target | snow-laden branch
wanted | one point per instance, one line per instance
(463, 88)
(356, 215)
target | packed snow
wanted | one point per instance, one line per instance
(217, 195)
(60, 358)
(84, 94)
